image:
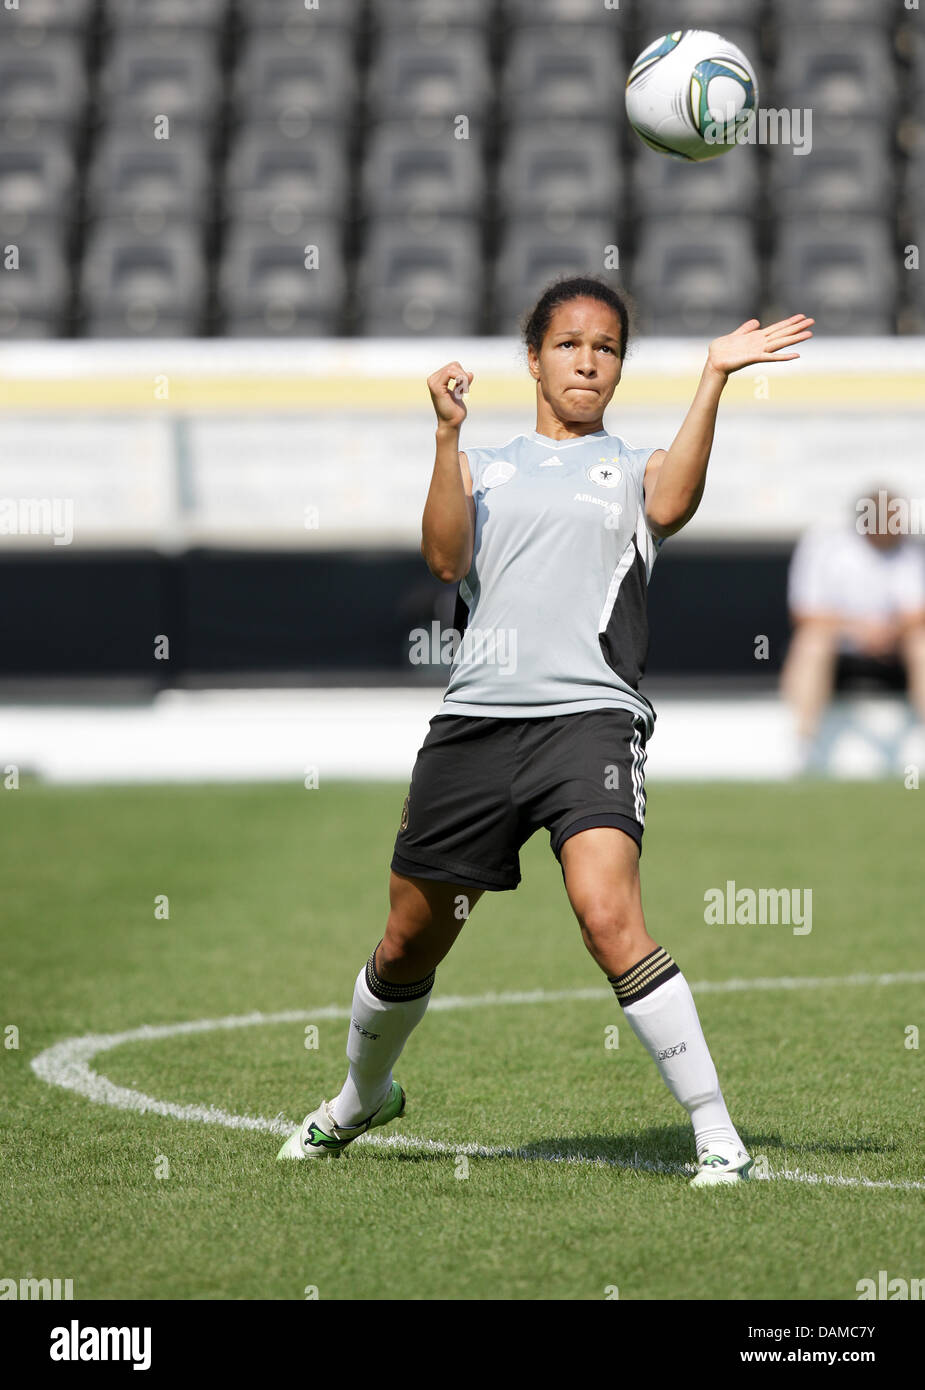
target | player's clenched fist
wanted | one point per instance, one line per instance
(448, 403)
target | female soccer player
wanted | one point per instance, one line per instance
(553, 536)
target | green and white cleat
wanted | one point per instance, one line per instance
(724, 1163)
(320, 1137)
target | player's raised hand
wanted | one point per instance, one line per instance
(448, 403)
(751, 343)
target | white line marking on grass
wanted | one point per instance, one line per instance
(644, 1165)
(66, 1064)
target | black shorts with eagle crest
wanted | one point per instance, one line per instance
(481, 787)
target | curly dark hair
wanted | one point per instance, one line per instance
(562, 291)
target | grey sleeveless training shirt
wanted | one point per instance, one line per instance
(556, 591)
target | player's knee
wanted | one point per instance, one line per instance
(399, 948)
(394, 949)
(609, 922)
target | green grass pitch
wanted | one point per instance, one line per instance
(276, 897)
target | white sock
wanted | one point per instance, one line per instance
(379, 1029)
(662, 1013)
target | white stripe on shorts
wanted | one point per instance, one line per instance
(636, 772)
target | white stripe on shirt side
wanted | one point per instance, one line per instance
(626, 559)
(645, 542)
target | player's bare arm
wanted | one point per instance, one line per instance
(448, 523)
(675, 478)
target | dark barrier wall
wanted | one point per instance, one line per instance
(317, 614)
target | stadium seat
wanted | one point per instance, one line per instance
(848, 175)
(150, 180)
(440, 175)
(669, 189)
(38, 177)
(911, 316)
(142, 287)
(517, 13)
(543, 174)
(173, 14)
(414, 76)
(33, 128)
(266, 290)
(549, 75)
(414, 284)
(835, 75)
(913, 193)
(53, 15)
(47, 82)
(156, 74)
(34, 298)
(664, 16)
(409, 15)
(827, 13)
(300, 82)
(843, 274)
(280, 182)
(828, 129)
(910, 44)
(445, 321)
(290, 17)
(913, 135)
(530, 257)
(700, 284)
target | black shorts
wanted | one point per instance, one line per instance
(855, 671)
(480, 787)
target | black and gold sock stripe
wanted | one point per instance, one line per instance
(645, 976)
(394, 994)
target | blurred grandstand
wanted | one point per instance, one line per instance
(165, 163)
(236, 237)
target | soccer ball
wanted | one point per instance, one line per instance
(691, 94)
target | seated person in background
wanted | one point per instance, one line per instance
(857, 604)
